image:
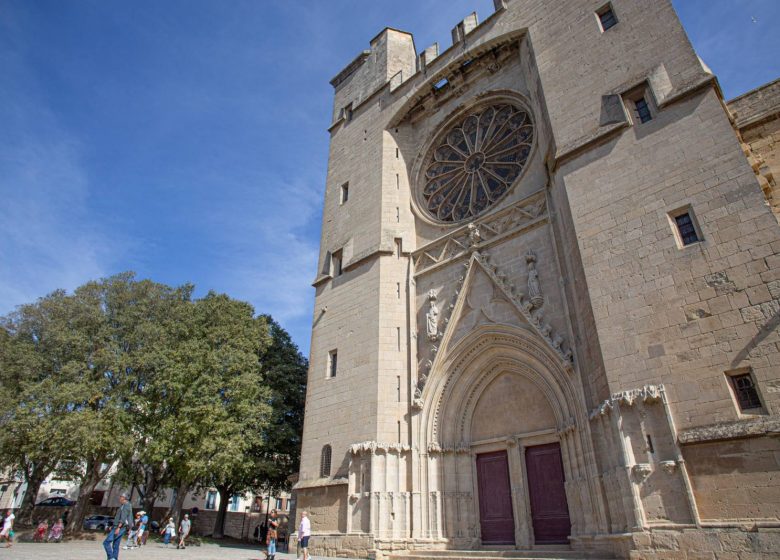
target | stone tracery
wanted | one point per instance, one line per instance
(476, 162)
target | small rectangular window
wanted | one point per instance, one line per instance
(211, 500)
(344, 192)
(745, 391)
(336, 261)
(642, 110)
(348, 112)
(607, 17)
(685, 227)
(333, 363)
(441, 84)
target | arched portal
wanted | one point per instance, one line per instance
(501, 419)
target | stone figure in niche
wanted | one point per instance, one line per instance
(534, 291)
(474, 236)
(432, 318)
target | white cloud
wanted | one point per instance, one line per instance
(47, 236)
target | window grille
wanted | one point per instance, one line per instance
(607, 18)
(643, 110)
(686, 228)
(745, 391)
(325, 461)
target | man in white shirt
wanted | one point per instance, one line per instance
(304, 532)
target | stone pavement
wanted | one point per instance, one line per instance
(93, 550)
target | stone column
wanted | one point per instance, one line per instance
(523, 529)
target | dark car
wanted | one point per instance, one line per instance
(98, 522)
(56, 502)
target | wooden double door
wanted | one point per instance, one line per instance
(546, 493)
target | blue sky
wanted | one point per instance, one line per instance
(186, 139)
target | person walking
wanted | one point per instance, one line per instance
(122, 520)
(272, 536)
(304, 533)
(169, 531)
(7, 532)
(184, 530)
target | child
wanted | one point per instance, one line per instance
(40, 532)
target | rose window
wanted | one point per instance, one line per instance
(476, 162)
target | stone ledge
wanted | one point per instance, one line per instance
(754, 427)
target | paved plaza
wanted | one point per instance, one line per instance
(92, 550)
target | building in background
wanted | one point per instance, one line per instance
(548, 295)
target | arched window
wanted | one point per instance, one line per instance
(325, 462)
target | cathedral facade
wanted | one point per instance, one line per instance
(548, 296)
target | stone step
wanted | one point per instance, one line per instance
(552, 553)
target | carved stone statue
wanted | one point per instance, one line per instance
(474, 236)
(432, 318)
(534, 291)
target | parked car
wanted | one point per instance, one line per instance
(56, 502)
(98, 522)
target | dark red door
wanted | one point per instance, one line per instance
(549, 510)
(495, 499)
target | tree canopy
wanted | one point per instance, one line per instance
(167, 389)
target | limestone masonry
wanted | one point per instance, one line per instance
(548, 301)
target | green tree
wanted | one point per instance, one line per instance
(46, 350)
(272, 452)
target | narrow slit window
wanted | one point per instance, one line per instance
(348, 114)
(397, 153)
(325, 459)
(607, 17)
(333, 363)
(745, 392)
(344, 193)
(337, 263)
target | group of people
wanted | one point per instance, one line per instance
(272, 535)
(54, 533)
(137, 530)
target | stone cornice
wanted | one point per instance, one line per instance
(747, 428)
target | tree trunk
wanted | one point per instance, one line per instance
(34, 482)
(178, 504)
(92, 478)
(151, 490)
(219, 524)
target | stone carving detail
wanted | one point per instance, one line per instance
(436, 448)
(464, 240)
(516, 297)
(377, 447)
(476, 162)
(534, 291)
(526, 309)
(669, 466)
(647, 394)
(641, 471)
(432, 318)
